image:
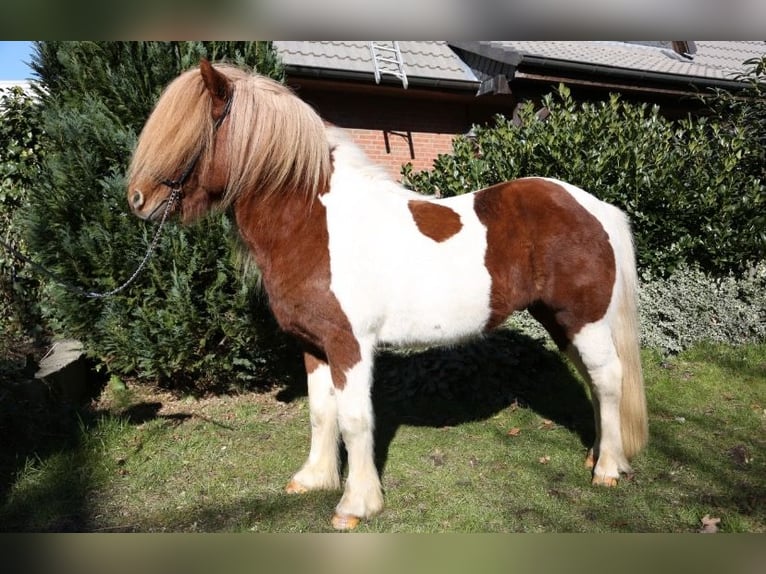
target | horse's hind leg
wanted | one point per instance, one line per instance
(320, 470)
(598, 358)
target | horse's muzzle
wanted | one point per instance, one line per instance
(137, 200)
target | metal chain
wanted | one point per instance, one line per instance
(174, 195)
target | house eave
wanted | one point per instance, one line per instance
(471, 86)
(539, 65)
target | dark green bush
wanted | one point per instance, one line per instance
(747, 110)
(688, 186)
(191, 319)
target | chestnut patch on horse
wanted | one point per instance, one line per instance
(435, 221)
(311, 362)
(547, 253)
(291, 247)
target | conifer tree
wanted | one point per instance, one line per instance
(190, 318)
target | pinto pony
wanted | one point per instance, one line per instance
(350, 259)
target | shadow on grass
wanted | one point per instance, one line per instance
(46, 471)
(434, 387)
(473, 381)
(429, 388)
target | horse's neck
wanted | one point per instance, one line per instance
(283, 234)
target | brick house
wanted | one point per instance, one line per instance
(394, 125)
(411, 112)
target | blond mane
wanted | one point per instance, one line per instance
(276, 142)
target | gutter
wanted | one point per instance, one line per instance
(369, 77)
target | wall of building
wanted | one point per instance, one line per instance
(394, 148)
(397, 126)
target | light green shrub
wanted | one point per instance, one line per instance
(691, 306)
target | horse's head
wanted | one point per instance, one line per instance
(183, 147)
(218, 134)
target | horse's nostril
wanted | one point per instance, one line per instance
(138, 199)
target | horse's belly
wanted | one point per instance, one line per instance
(437, 319)
(402, 287)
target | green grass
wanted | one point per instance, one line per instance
(147, 461)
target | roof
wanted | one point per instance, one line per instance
(719, 60)
(428, 62)
(466, 64)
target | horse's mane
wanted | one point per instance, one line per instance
(276, 142)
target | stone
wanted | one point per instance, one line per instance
(67, 371)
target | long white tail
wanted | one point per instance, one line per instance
(625, 334)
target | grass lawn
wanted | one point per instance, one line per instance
(488, 437)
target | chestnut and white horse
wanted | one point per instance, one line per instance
(351, 259)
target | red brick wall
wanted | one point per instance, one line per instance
(396, 126)
(393, 149)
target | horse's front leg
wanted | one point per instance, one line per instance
(363, 495)
(320, 470)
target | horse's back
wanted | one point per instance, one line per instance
(409, 268)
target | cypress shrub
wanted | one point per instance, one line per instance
(190, 320)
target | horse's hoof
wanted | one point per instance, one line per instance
(294, 487)
(608, 481)
(590, 460)
(344, 521)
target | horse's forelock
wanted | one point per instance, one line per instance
(176, 130)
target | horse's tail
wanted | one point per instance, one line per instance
(625, 334)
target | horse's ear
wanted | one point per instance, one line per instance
(218, 86)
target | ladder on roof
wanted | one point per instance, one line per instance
(387, 59)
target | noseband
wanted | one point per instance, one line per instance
(176, 185)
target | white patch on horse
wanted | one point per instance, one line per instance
(321, 469)
(391, 281)
(363, 495)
